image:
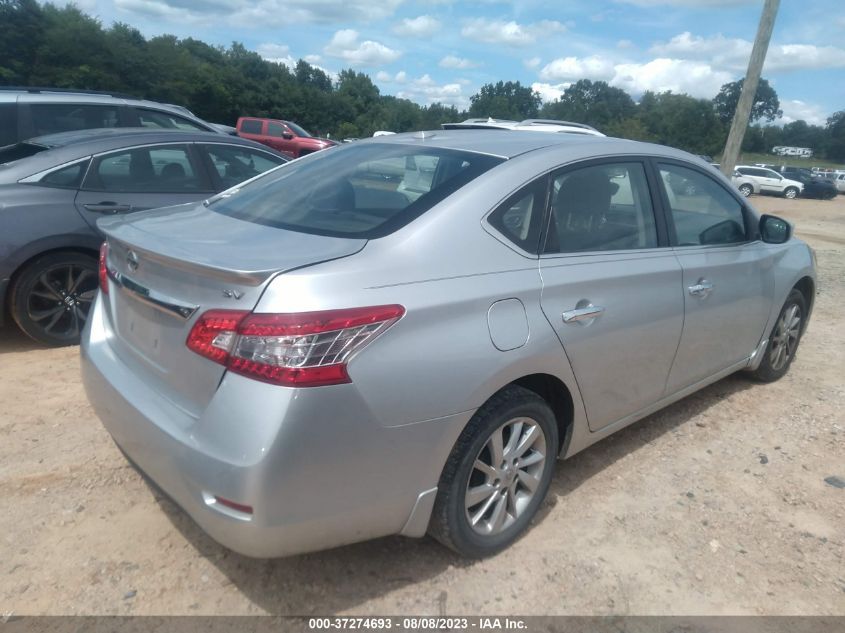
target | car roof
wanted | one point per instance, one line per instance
(513, 143)
(66, 147)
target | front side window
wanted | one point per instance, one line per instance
(601, 208)
(165, 120)
(359, 191)
(51, 118)
(707, 214)
(276, 129)
(164, 169)
(236, 164)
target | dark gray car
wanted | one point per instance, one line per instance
(54, 188)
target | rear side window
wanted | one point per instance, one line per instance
(520, 217)
(251, 126)
(8, 123)
(69, 177)
(603, 207)
(235, 164)
(703, 212)
(50, 118)
(360, 191)
(165, 120)
(165, 169)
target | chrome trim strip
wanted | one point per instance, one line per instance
(151, 297)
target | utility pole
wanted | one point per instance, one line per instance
(749, 87)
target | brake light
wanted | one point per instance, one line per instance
(305, 349)
(102, 271)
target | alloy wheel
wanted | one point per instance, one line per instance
(785, 338)
(505, 476)
(60, 299)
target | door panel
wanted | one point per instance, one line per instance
(722, 326)
(727, 277)
(622, 357)
(611, 293)
(140, 178)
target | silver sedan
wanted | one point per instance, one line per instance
(402, 335)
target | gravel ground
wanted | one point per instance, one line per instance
(716, 505)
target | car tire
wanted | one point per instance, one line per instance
(485, 500)
(790, 192)
(783, 339)
(52, 295)
(746, 190)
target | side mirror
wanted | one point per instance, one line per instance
(774, 230)
(287, 136)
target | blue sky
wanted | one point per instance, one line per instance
(444, 50)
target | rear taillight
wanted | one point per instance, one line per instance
(102, 271)
(305, 349)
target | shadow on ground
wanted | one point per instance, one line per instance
(12, 340)
(340, 579)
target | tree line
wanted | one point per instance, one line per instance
(62, 47)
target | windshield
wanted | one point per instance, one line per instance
(299, 131)
(18, 151)
(358, 191)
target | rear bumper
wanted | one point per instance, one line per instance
(313, 465)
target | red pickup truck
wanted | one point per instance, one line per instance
(283, 136)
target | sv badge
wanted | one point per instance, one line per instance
(233, 294)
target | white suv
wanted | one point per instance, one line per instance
(765, 180)
(532, 125)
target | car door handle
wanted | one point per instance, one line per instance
(582, 314)
(701, 289)
(108, 207)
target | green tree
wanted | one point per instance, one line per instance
(22, 26)
(505, 100)
(595, 103)
(682, 121)
(836, 136)
(766, 103)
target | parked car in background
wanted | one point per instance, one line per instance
(333, 359)
(768, 181)
(839, 181)
(53, 189)
(815, 186)
(528, 125)
(283, 136)
(30, 112)
(744, 184)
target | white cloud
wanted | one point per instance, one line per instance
(276, 53)
(264, 12)
(345, 45)
(624, 44)
(401, 77)
(532, 63)
(794, 110)
(451, 61)
(509, 33)
(733, 53)
(425, 90)
(313, 59)
(549, 92)
(572, 68)
(421, 26)
(698, 79)
(383, 76)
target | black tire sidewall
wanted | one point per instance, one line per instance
(463, 537)
(23, 284)
(765, 372)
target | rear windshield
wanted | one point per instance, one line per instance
(359, 191)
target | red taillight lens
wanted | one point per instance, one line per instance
(305, 349)
(102, 271)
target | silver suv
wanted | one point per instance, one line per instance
(29, 112)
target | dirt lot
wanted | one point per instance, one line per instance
(715, 505)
